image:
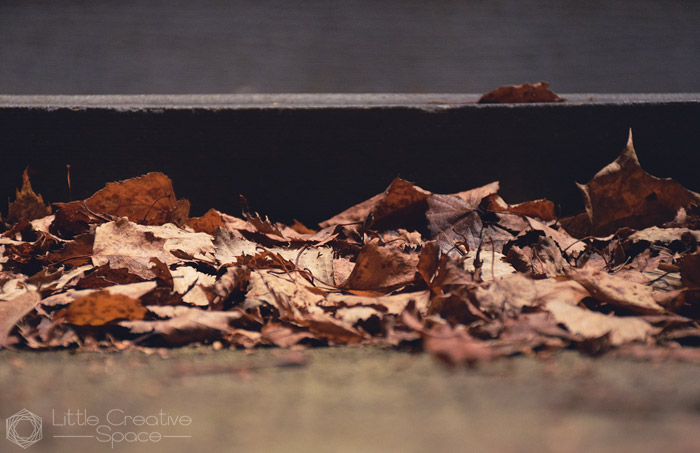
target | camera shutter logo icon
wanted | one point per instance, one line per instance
(23, 428)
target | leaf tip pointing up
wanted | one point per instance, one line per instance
(628, 155)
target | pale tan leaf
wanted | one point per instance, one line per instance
(13, 310)
(131, 246)
(594, 325)
(617, 291)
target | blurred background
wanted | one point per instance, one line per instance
(410, 46)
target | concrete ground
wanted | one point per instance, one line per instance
(347, 400)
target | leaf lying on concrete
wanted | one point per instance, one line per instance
(592, 325)
(14, 308)
(514, 94)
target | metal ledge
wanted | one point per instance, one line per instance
(319, 101)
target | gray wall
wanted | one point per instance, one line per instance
(217, 46)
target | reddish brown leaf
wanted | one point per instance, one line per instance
(147, 199)
(100, 308)
(624, 195)
(27, 205)
(455, 346)
(514, 94)
(381, 268)
(401, 200)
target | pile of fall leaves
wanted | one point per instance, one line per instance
(466, 276)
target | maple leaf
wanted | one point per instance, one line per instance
(624, 195)
(457, 225)
(27, 205)
(513, 94)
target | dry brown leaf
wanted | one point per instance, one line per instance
(400, 199)
(15, 307)
(514, 94)
(657, 235)
(492, 265)
(100, 308)
(282, 335)
(147, 199)
(290, 297)
(624, 195)
(184, 324)
(403, 204)
(617, 291)
(211, 221)
(541, 209)
(518, 291)
(355, 214)
(132, 290)
(333, 330)
(27, 205)
(458, 227)
(592, 325)
(690, 270)
(382, 268)
(391, 304)
(474, 196)
(124, 244)
(455, 346)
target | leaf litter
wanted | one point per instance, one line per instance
(466, 277)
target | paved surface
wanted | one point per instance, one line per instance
(356, 399)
